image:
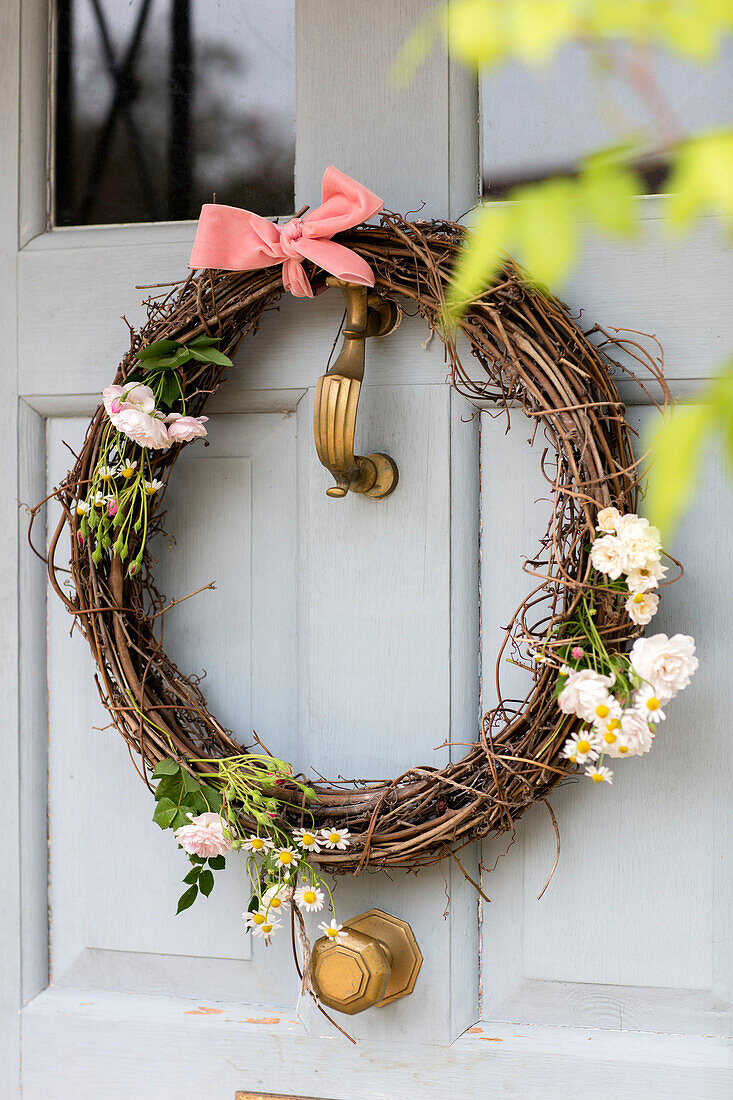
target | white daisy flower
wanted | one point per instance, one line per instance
(107, 473)
(335, 838)
(307, 840)
(647, 703)
(606, 710)
(267, 929)
(642, 607)
(286, 856)
(153, 486)
(333, 930)
(258, 845)
(582, 747)
(82, 507)
(609, 732)
(100, 500)
(255, 918)
(274, 898)
(128, 467)
(600, 774)
(310, 898)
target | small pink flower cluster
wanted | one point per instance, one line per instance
(131, 408)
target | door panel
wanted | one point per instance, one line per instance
(629, 933)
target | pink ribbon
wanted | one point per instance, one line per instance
(230, 239)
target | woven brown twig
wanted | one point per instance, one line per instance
(530, 354)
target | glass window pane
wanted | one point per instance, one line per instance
(160, 104)
(538, 122)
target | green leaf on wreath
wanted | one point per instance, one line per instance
(187, 898)
(181, 818)
(193, 874)
(212, 355)
(175, 359)
(156, 349)
(206, 883)
(170, 786)
(170, 390)
(165, 767)
(165, 812)
(218, 863)
(203, 341)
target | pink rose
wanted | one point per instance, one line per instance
(203, 837)
(113, 397)
(147, 430)
(181, 429)
(133, 395)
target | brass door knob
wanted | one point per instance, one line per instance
(378, 962)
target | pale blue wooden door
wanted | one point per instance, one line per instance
(105, 991)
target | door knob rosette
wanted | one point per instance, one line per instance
(376, 962)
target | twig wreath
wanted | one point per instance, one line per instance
(593, 695)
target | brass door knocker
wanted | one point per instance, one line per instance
(337, 398)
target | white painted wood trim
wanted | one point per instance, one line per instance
(10, 898)
(120, 1043)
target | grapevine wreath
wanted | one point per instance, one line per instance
(594, 696)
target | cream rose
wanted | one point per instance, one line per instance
(583, 692)
(665, 663)
(641, 541)
(607, 520)
(608, 555)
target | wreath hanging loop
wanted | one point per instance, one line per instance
(528, 358)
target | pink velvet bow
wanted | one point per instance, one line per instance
(230, 239)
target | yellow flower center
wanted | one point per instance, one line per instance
(602, 711)
(623, 748)
(267, 928)
(257, 844)
(583, 746)
(638, 598)
(128, 471)
(332, 932)
(80, 510)
(275, 903)
(652, 703)
(257, 918)
(614, 724)
(309, 897)
(150, 489)
(334, 837)
(307, 839)
(286, 857)
(609, 737)
(597, 778)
